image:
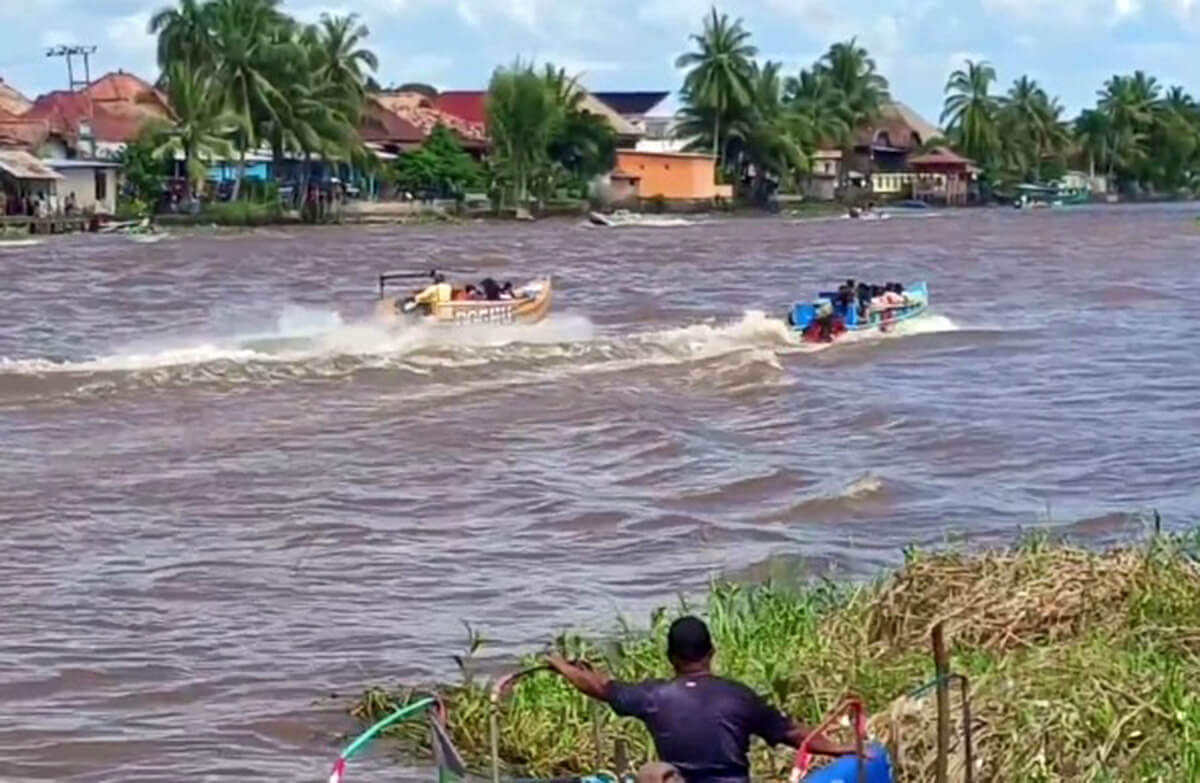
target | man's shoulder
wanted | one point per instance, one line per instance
(735, 689)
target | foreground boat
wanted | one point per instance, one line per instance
(530, 305)
(826, 318)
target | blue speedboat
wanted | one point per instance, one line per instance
(828, 317)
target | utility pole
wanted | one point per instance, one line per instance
(70, 52)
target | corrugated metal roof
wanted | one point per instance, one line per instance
(22, 165)
(639, 102)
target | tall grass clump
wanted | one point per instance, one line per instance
(1082, 666)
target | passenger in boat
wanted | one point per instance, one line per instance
(438, 292)
(506, 290)
(490, 289)
(845, 295)
(701, 723)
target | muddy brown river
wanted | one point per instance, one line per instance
(225, 494)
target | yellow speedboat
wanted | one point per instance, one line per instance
(528, 304)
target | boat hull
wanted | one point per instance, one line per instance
(523, 310)
(847, 320)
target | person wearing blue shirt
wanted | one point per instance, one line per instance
(701, 723)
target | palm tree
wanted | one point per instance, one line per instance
(254, 56)
(819, 107)
(720, 76)
(1031, 130)
(852, 71)
(583, 144)
(344, 60)
(1130, 103)
(969, 112)
(773, 141)
(1096, 136)
(201, 125)
(522, 116)
(184, 33)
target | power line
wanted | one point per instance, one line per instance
(70, 52)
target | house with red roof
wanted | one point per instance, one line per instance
(464, 112)
(94, 122)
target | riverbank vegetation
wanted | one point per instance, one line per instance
(765, 125)
(1081, 665)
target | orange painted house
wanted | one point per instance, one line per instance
(675, 176)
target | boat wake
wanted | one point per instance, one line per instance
(313, 343)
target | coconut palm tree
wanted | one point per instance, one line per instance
(1030, 127)
(853, 72)
(344, 60)
(969, 112)
(772, 141)
(254, 55)
(819, 107)
(184, 33)
(522, 116)
(583, 144)
(201, 126)
(1097, 139)
(719, 78)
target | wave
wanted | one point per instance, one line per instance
(835, 501)
(306, 342)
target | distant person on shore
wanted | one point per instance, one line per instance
(701, 723)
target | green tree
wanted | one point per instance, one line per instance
(720, 76)
(184, 34)
(522, 117)
(254, 52)
(853, 73)
(142, 170)
(582, 144)
(440, 165)
(818, 104)
(970, 111)
(344, 60)
(201, 125)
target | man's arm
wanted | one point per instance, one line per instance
(589, 682)
(779, 729)
(819, 744)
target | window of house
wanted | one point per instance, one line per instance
(101, 184)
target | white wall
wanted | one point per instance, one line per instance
(82, 182)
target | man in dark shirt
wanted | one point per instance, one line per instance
(701, 723)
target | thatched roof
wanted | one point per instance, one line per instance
(898, 126)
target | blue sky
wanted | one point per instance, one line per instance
(1071, 46)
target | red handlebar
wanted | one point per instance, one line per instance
(850, 704)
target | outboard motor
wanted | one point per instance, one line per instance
(802, 315)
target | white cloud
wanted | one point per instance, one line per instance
(425, 67)
(57, 36)
(134, 46)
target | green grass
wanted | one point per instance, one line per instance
(243, 213)
(1083, 666)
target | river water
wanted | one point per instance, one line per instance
(227, 495)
